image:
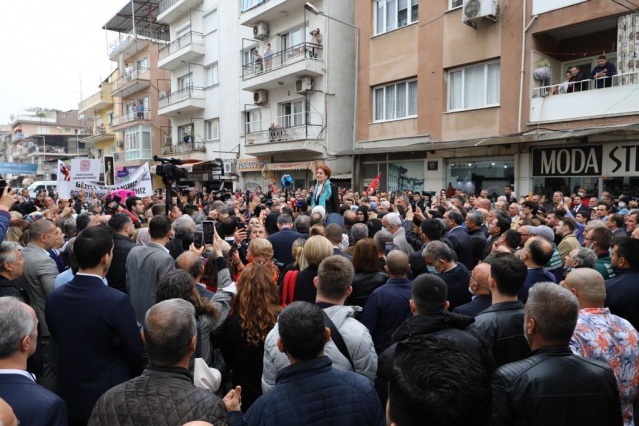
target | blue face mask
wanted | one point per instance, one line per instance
(431, 269)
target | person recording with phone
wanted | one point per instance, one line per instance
(7, 200)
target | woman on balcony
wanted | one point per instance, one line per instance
(324, 193)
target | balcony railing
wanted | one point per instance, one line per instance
(132, 76)
(282, 58)
(183, 148)
(166, 5)
(180, 95)
(136, 154)
(305, 125)
(132, 116)
(125, 38)
(182, 42)
(250, 4)
(567, 88)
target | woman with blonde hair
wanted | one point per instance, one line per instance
(255, 311)
(300, 285)
(260, 251)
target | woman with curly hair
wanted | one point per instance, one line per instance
(260, 251)
(255, 311)
(178, 284)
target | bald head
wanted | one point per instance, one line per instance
(588, 285)
(397, 263)
(481, 274)
(483, 203)
(191, 263)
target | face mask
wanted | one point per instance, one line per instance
(521, 255)
(622, 205)
(431, 269)
(581, 194)
(470, 291)
(568, 269)
(592, 245)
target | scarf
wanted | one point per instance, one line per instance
(323, 196)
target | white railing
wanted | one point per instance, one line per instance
(276, 60)
(568, 88)
(305, 125)
(158, 33)
(166, 5)
(250, 4)
(181, 95)
(132, 76)
(182, 42)
(131, 116)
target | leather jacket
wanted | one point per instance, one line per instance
(554, 387)
(502, 326)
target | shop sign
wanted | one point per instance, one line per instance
(568, 161)
(621, 160)
(251, 164)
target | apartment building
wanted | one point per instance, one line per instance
(204, 102)
(299, 67)
(470, 92)
(137, 37)
(43, 136)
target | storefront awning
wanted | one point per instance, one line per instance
(301, 165)
(542, 136)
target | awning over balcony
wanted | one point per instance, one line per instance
(145, 11)
(301, 165)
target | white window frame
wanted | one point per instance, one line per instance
(384, 87)
(214, 16)
(462, 69)
(253, 121)
(410, 4)
(452, 5)
(212, 129)
(185, 82)
(211, 74)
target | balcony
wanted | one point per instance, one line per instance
(187, 100)
(186, 151)
(137, 80)
(302, 60)
(254, 11)
(170, 10)
(185, 49)
(128, 44)
(301, 132)
(100, 133)
(553, 104)
(132, 155)
(120, 122)
(97, 101)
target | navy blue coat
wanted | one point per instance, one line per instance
(535, 275)
(282, 242)
(98, 338)
(314, 393)
(32, 404)
(462, 245)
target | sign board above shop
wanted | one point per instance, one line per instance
(610, 160)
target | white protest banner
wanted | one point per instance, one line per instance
(85, 169)
(139, 181)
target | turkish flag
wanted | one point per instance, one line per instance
(373, 185)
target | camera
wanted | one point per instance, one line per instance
(169, 170)
(111, 204)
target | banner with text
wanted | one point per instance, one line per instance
(139, 181)
(85, 169)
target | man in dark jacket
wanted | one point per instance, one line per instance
(502, 324)
(282, 240)
(439, 258)
(122, 229)
(309, 391)
(622, 291)
(459, 238)
(535, 254)
(164, 394)
(479, 287)
(11, 266)
(473, 223)
(430, 316)
(553, 386)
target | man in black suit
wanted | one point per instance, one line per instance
(31, 403)
(459, 238)
(282, 240)
(95, 327)
(122, 228)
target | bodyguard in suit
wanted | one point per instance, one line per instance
(459, 238)
(31, 403)
(145, 265)
(122, 228)
(38, 279)
(282, 240)
(94, 328)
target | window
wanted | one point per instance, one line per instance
(137, 143)
(212, 129)
(210, 74)
(142, 64)
(210, 23)
(294, 113)
(394, 101)
(253, 121)
(184, 82)
(392, 14)
(455, 4)
(475, 86)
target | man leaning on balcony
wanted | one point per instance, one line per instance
(603, 73)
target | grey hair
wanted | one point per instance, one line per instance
(8, 253)
(359, 231)
(586, 258)
(393, 219)
(183, 224)
(15, 323)
(476, 217)
(199, 217)
(169, 327)
(383, 236)
(385, 204)
(284, 219)
(555, 311)
(302, 223)
(438, 250)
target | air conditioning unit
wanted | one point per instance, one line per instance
(260, 97)
(119, 143)
(304, 85)
(260, 31)
(475, 10)
(229, 168)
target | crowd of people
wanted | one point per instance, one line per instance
(319, 306)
